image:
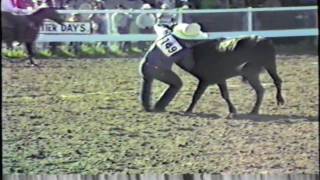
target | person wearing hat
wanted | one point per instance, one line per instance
(156, 64)
(76, 46)
(145, 23)
(121, 24)
(166, 19)
(186, 17)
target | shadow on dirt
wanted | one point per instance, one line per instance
(275, 118)
(253, 117)
(196, 115)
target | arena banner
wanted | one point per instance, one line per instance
(50, 27)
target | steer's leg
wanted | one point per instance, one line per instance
(202, 86)
(272, 70)
(255, 83)
(174, 82)
(225, 95)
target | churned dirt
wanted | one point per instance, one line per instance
(84, 116)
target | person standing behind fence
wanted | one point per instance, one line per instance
(99, 20)
(166, 19)
(121, 24)
(76, 45)
(186, 17)
(145, 23)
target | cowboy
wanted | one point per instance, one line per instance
(170, 47)
(164, 18)
(121, 24)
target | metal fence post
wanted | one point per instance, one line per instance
(180, 17)
(109, 31)
(249, 16)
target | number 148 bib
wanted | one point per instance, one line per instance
(168, 45)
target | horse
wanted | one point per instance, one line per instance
(215, 61)
(25, 28)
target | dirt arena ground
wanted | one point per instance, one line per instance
(84, 116)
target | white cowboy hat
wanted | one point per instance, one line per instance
(189, 31)
(146, 6)
(165, 6)
(185, 7)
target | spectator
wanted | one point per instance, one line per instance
(121, 25)
(193, 4)
(166, 19)
(186, 18)
(99, 4)
(99, 23)
(76, 45)
(99, 20)
(145, 23)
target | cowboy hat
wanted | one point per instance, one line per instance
(185, 7)
(189, 31)
(146, 6)
(165, 6)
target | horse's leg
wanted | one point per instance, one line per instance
(202, 86)
(175, 84)
(30, 53)
(225, 95)
(9, 46)
(146, 93)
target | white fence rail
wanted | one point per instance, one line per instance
(313, 31)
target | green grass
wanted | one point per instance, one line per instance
(85, 117)
(15, 54)
(86, 51)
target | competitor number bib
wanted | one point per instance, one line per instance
(168, 45)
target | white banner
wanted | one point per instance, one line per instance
(49, 27)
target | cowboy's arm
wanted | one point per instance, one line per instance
(187, 60)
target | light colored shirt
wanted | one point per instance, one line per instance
(145, 20)
(8, 6)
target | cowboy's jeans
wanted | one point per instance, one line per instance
(167, 76)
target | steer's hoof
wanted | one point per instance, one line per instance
(189, 110)
(280, 101)
(35, 65)
(159, 110)
(254, 112)
(147, 110)
(231, 115)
